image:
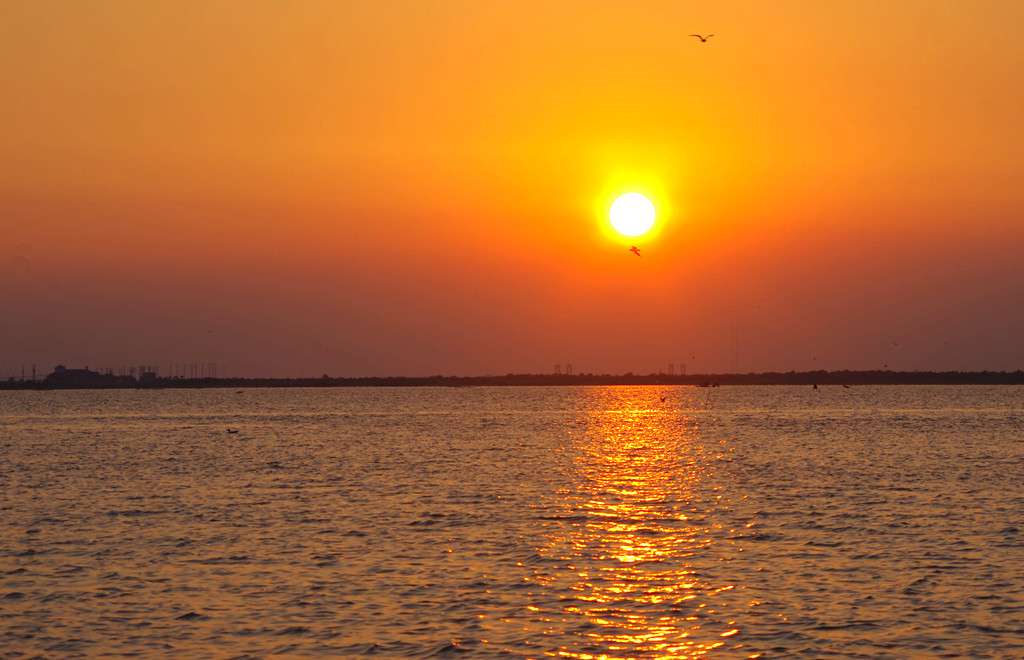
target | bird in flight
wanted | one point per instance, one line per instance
(635, 250)
(702, 39)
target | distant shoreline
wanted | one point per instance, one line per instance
(822, 378)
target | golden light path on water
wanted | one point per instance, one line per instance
(643, 570)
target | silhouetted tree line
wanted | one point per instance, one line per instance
(878, 377)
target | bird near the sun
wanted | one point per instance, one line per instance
(702, 39)
(635, 250)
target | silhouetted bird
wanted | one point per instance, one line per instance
(232, 430)
(635, 250)
(702, 39)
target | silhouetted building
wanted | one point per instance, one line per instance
(62, 376)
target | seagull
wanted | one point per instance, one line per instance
(635, 250)
(702, 39)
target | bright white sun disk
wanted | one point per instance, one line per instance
(632, 214)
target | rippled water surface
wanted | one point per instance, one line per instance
(604, 522)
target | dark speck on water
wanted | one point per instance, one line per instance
(513, 522)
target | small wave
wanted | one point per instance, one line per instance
(370, 649)
(67, 646)
(220, 560)
(192, 616)
(918, 586)
(980, 627)
(846, 626)
(30, 552)
(135, 512)
(423, 523)
(450, 648)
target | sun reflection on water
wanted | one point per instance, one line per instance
(641, 565)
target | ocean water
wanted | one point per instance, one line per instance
(590, 523)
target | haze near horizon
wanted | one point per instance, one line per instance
(375, 188)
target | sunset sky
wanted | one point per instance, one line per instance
(391, 187)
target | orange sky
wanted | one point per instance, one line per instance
(385, 187)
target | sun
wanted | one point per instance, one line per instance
(632, 214)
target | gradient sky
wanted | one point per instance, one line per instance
(391, 187)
